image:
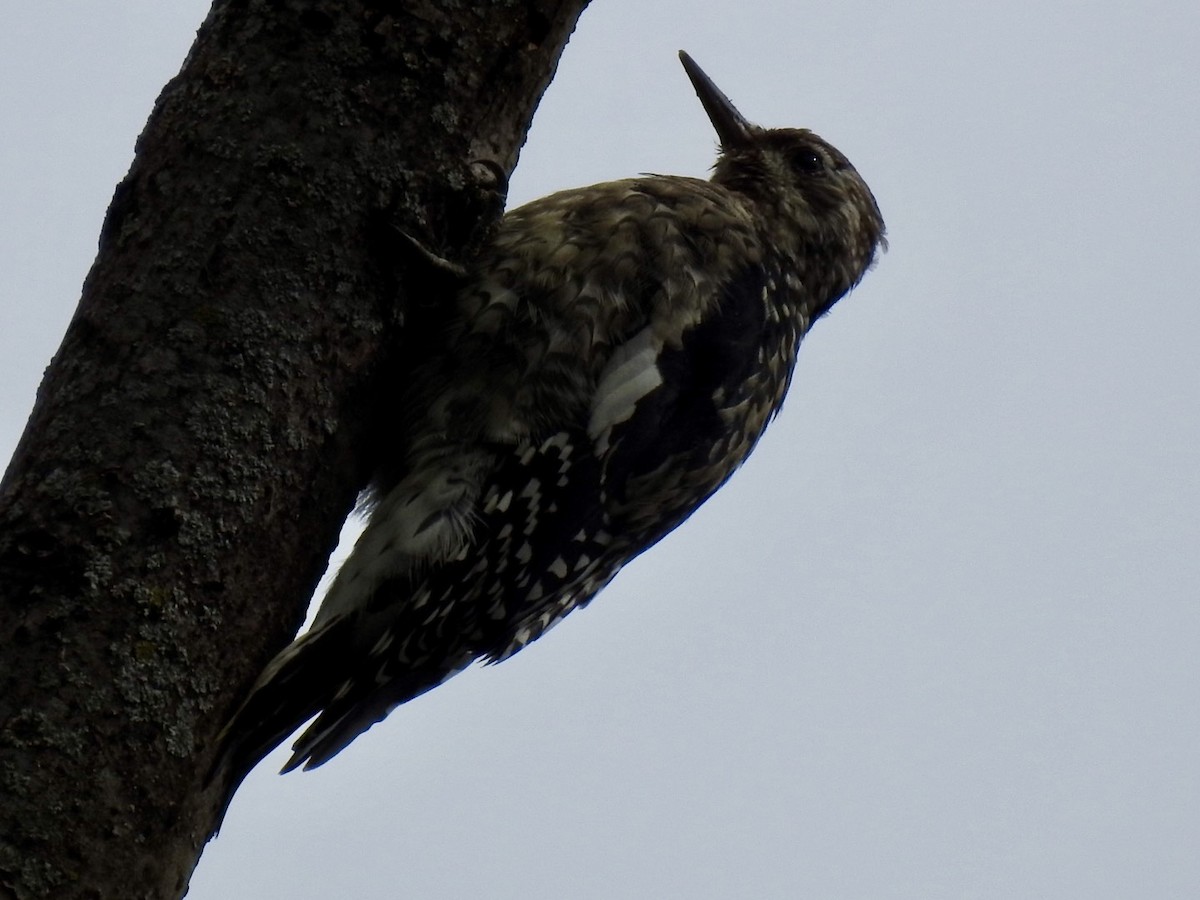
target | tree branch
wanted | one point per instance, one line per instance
(203, 429)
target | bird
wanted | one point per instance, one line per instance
(612, 355)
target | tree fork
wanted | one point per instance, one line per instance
(198, 438)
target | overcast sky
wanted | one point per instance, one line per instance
(939, 638)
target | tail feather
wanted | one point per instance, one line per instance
(294, 687)
(350, 712)
(321, 674)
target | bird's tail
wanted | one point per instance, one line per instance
(296, 685)
(322, 674)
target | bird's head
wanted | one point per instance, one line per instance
(808, 194)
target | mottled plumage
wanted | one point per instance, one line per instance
(616, 353)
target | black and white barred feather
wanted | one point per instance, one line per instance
(616, 355)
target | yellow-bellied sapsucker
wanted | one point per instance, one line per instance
(616, 352)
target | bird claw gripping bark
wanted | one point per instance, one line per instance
(436, 275)
(614, 354)
(435, 268)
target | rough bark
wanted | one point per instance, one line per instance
(201, 433)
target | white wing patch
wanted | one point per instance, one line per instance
(630, 375)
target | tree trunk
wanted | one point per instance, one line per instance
(207, 422)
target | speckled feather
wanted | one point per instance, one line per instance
(615, 357)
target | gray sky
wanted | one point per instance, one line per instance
(939, 638)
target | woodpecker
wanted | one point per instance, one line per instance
(615, 353)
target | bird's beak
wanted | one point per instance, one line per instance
(732, 127)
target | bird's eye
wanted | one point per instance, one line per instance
(807, 161)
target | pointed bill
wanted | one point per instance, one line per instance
(732, 127)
